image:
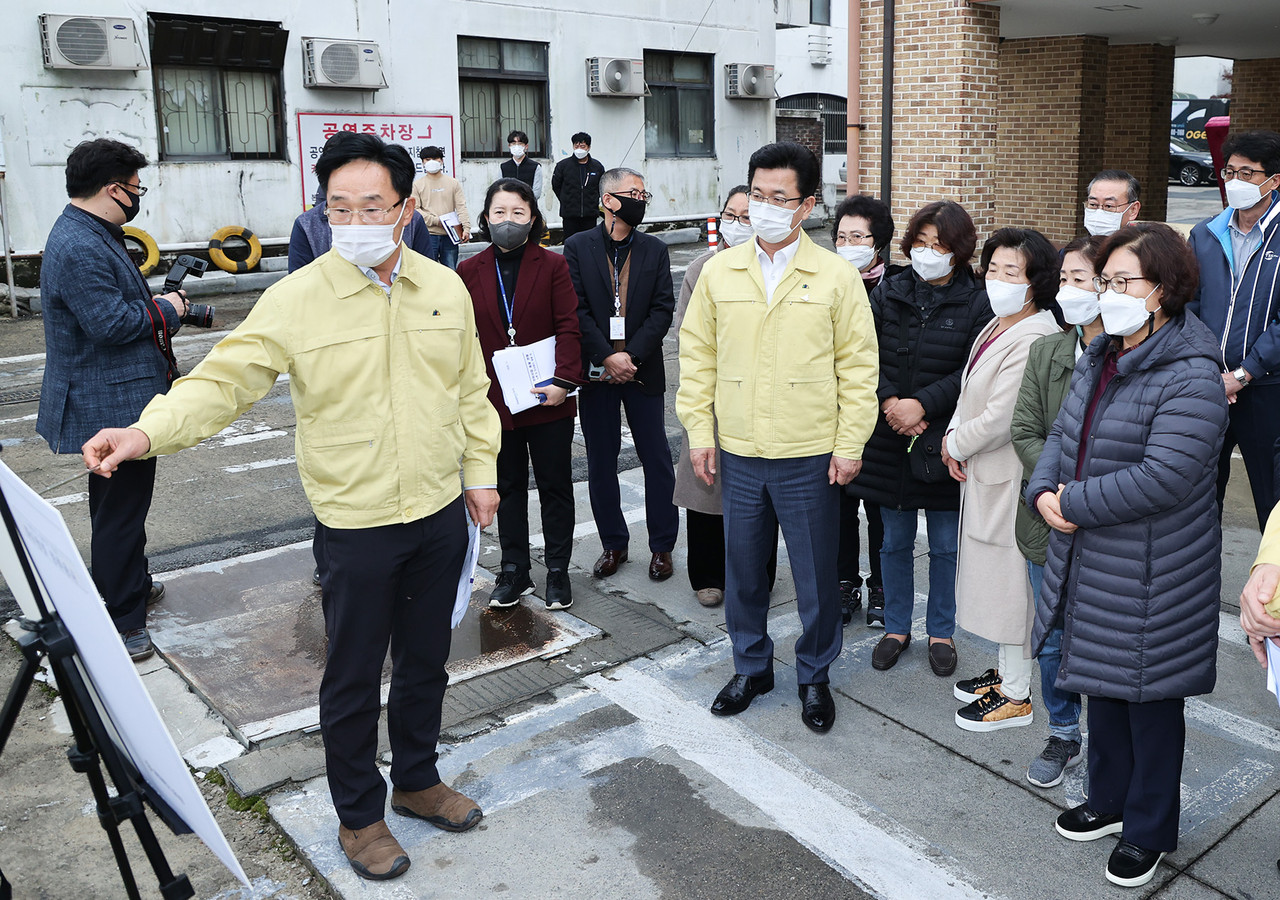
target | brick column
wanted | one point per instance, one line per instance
(802, 126)
(1049, 135)
(946, 64)
(1255, 95)
(1139, 88)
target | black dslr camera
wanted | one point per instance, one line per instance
(197, 313)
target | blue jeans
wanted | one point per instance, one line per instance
(446, 251)
(1063, 706)
(897, 565)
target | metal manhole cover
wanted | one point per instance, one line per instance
(19, 397)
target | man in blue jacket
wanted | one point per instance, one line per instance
(106, 355)
(1239, 299)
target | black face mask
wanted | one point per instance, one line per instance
(630, 210)
(133, 208)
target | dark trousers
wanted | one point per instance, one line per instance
(600, 411)
(118, 509)
(549, 447)
(704, 536)
(573, 224)
(758, 496)
(1255, 428)
(1135, 767)
(847, 565)
(389, 585)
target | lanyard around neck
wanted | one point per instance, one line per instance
(508, 305)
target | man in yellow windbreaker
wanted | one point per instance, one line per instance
(390, 392)
(778, 351)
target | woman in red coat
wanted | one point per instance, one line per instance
(522, 294)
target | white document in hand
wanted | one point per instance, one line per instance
(452, 226)
(521, 368)
(1273, 665)
(466, 581)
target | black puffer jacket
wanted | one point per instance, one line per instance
(1137, 585)
(941, 323)
(577, 186)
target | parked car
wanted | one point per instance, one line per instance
(1190, 166)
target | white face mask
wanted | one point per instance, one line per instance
(770, 223)
(1122, 315)
(432, 166)
(1100, 222)
(580, 152)
(517, 150)
(365, 245)
(930, 264)
(1243, 195)
(857, 255)
(1006, 299)
(735, 233)
(1079, 306)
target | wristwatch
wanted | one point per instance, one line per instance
(1241, 375)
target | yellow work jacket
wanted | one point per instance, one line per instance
(389, 393)
(796, 377)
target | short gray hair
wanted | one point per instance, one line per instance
(613, 178)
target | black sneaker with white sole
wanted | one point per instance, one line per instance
(850, 600)
(559, 594)
(511, 586)
(875, 608)
(1083, 824)
(1131, 865)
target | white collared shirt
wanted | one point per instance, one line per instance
(395, 271)
(773, 269)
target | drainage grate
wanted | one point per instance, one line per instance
(19, 397)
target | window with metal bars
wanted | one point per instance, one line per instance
(834, 117)
(502, 87)
(217, 84)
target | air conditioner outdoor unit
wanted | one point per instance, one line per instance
(744, 81)
(354, 65)
(608, 77)
(90, 42)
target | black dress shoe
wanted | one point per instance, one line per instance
(1131, 865)
(739, 692)
(660, 567)
(943, 659)
(817, 709)
(608, 563)
(886, 654)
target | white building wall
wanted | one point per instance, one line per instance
(46, 112)
(797, 73)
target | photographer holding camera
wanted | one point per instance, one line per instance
(107, 354)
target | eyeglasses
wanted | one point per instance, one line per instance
(853, 237)
(1119, 283)
(375, 215)
(936, 246)
(634, 194)
(1106, 207)
(780, 202)
(744, 219)
(1247, 174)
(133, 188)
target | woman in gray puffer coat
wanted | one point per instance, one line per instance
(1133, 572)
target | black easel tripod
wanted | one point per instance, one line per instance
(48, 638)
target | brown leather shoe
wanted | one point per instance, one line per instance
(660, 567)
(608, 563)
(440, 805)
(373, 851)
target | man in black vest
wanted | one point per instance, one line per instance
(576, 184)
(520, 165)
(625, 305)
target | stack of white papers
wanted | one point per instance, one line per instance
(521, 368)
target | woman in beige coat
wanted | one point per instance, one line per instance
(993, 594)
(704, 520)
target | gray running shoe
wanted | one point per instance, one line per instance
(1048, 769)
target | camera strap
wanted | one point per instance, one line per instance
(160, 336)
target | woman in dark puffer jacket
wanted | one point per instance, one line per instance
(926, 319)
(1133, 571)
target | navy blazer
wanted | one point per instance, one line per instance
(101, 364)
(651, 301)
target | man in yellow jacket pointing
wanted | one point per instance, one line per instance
(778, 351)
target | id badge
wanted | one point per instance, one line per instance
(617, 328)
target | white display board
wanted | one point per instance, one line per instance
(123, 701)
(413, 132)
